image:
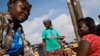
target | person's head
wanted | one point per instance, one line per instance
(99, 16)
(19, 10)
(90, 21)
(47, 23)
(98, 30)
(91, 24)
(86, 26)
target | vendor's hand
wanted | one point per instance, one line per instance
(45, 53)
(2, 52)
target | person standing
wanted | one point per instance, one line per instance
(11, 31)
(50, 38)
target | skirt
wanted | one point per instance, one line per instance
(58, 52)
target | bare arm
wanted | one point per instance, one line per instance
(83, 48)
(44, 45)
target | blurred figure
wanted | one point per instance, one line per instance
(41, 50)
(98, 27)
(89, 44)
(98, 30)
(99, 16)
(50, 38)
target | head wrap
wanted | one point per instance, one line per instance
(46, 20)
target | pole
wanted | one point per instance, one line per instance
(78, 9)
(76, 14)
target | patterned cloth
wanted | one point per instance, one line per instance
(55, 53)
(7, 33)
(94, 41)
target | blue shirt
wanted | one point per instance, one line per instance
(16, 45)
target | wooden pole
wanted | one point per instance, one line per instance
(76, 14)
